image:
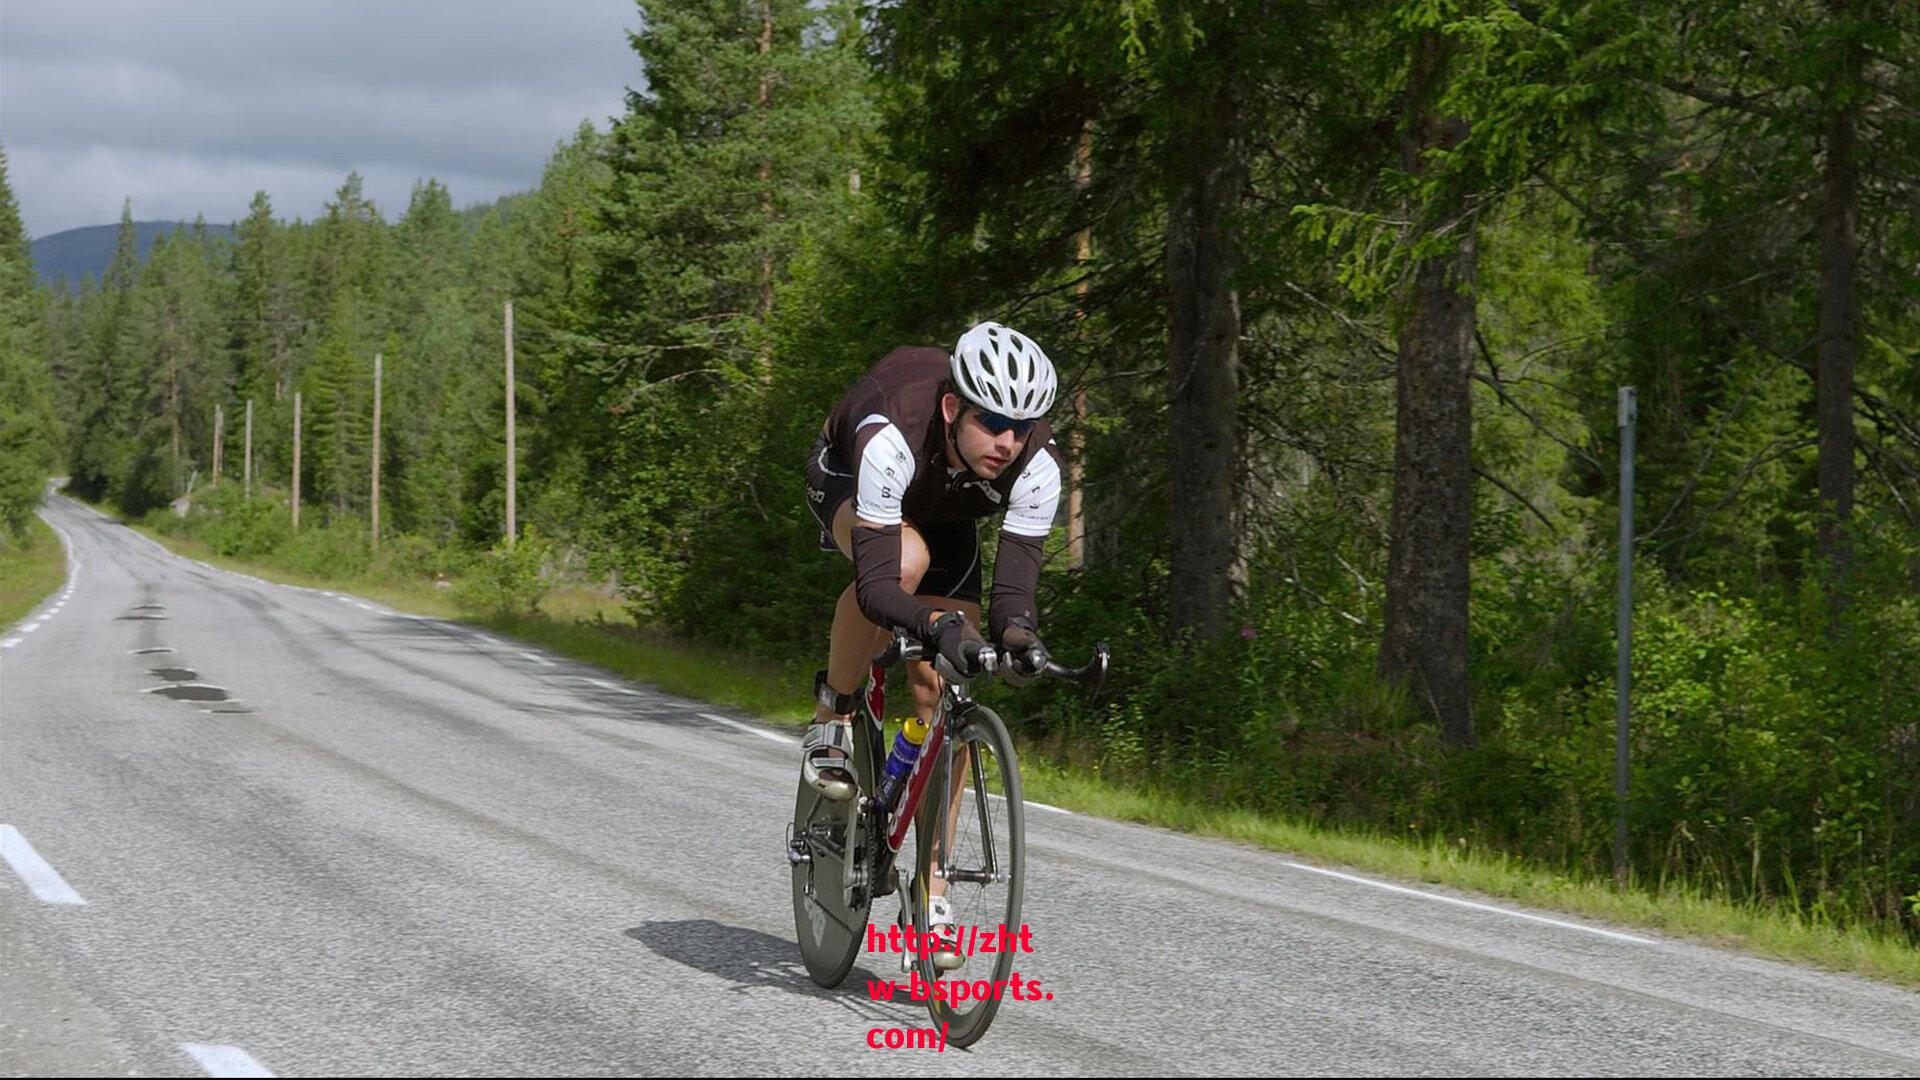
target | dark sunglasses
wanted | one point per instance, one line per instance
(997, 424)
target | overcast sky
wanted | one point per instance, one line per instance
(190, 106)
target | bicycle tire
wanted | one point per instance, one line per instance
(979, 728)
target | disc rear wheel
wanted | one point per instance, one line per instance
(829, 926)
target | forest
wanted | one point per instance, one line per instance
(1342, 297)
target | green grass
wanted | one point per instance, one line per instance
(29, 573)
(1683, 910)
(594, 628)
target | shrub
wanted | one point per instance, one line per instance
(508, 580)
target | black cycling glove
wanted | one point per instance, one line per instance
(1026, 654)
(956, 639)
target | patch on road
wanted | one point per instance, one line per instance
(191, 692)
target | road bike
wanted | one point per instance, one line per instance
(967, 779)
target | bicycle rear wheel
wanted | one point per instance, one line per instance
(830, 926)
(828, 929)
(983, 865)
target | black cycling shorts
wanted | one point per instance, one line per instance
(953, 547)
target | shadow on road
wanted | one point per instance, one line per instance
(750, 960)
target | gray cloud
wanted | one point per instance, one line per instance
(188, 109)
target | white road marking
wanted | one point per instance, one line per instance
(538, 659)
(615, 687)
(485, 638)
(224, 1060)
(30, 627)
(11, 642)
(1470, 904)
(44, 880)
(365, 607)
(748, 728)
(1029, 802)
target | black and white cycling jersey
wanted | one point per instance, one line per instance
(888, 435)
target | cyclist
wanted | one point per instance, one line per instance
(924, 445)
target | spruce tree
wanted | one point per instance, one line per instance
(28, 428)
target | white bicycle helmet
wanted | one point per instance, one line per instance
(1003, 371)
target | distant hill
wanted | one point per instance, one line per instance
(78, 253)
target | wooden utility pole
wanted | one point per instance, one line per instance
(511, 520)
(219, 419)
(247, 468)
(376, 453)
(296, 459)
(173, 405)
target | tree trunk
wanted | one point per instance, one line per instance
(1207, 169)
(1424, 647)
(765, 358)
(1077, 439)
(1839, 323)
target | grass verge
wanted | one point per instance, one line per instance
(586, 626)
(29, 573)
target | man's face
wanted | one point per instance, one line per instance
(987, 453)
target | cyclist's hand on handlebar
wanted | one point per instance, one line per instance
(1026, 653)
(958, 641)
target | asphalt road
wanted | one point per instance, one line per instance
(396, 846)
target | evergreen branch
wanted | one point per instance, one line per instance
(1500, 388)
(1521, 499)
(1773, 451)
(1748, 104)
(1712, 450)
(1300, 586)
(1877, 457)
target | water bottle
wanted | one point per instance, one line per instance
(906, 750)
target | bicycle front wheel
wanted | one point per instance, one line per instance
(979, 861)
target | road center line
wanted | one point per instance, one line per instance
(224, 1060)
(1471, 904)
(43, 879)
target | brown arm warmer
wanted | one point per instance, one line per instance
(1016, 574)
(876, 581)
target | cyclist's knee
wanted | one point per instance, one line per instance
(914, 558)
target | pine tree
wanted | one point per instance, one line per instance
(103, 446)
(28, 428)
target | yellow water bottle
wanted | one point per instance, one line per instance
(906, 750)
